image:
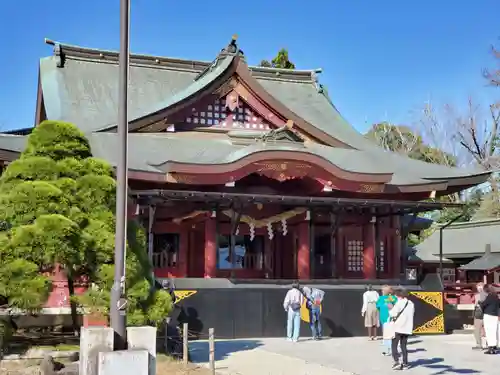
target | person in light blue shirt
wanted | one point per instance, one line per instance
(385, 302)
(314, 298)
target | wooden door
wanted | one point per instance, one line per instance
(322, 256)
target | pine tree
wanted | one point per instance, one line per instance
(57, 206)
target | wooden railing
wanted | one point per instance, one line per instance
(462, 294)
(164, 259)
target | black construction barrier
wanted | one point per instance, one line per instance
(251, 313)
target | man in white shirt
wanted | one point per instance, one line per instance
(292, 303)
(402, 325)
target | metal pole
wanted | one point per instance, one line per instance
(118, 301)
(441, 255)
(151, 236)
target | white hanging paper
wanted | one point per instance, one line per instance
(252, 231)
(270, 230)
(284, 227)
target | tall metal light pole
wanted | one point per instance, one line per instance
(118, 300)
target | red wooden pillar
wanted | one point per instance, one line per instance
(304, 252)
(268, 257)
(339, 252)
(369, 265)
(395, 258)
(183, 252)
(210, 248)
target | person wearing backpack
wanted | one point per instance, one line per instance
(292, 303)
(401, 323)
(314, 298)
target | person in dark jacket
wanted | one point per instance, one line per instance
(491, 309)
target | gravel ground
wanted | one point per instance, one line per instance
(429, 355)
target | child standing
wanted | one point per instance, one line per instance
(385, 302)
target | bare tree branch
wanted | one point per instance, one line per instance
(493, 76)
(436, 131)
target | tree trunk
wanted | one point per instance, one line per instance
(74, 315)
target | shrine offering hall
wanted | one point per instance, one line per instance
(244, 172)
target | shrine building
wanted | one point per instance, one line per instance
(244, 172)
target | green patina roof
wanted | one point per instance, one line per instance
(15, 143)
(462, 240)
(81, 86)
(85, 91)
(151, 151)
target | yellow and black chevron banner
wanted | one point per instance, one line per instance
(183, 294)
(429, 312)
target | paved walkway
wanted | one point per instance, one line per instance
(430, 355)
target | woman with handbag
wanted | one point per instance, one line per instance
(478, 316)
(491, 310)
(402, 327)
(369, 311)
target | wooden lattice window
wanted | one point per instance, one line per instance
(218, 115)
(355, 256)
(381, 257)
(449, 275)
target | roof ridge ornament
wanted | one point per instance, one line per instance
(232, 48)
(315, 79)
(58, 52)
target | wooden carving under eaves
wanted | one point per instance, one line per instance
(282, 171)
(226, 87)
(232, 101)
(285, 133)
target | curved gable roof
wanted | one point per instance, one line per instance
(80, 85)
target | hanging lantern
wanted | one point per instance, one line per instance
(284, 227)
(252, 231)
(270, 230)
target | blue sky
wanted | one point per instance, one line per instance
(382, 59)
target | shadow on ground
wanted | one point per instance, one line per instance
(437, 364)
(414, 341)
(199, 350)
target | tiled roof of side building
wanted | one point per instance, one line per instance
(12, 142)
(462, 240)
(486, 262)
